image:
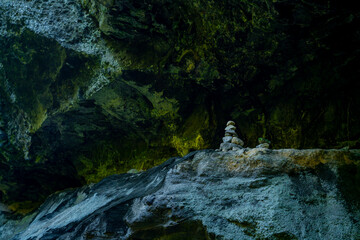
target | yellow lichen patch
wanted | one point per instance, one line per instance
(314, 157)
(38, 116)
(235, 166)
(184, 145)
(95, 168)
(310, 159)
(113, 158)
(190, 65)
(23, 208)
(40, 159)
(193, 133)
(184, 52)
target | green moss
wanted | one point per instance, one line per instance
(33, 65)
(94, 171)
(185, 145)
(195, 133)
(163, 107)
(37, 116)
(113, 157)
(263, 140)
(108, 158)
(39, 159)
(101, 162)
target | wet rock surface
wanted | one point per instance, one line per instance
(244, 194)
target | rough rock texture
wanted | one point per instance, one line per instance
(245, 194)
(89, 88)
(265, 63)
(64, 105)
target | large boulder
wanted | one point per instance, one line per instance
(244, 194)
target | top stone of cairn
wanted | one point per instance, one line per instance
(230, 123)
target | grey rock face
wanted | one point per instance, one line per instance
(244, 194)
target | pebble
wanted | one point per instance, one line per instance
(263, 145)
(230, 127)
(237, 141)
(230, 123)
(227, 139)
(231, 133)
(133, 171)
(229, 146)
(263, 140)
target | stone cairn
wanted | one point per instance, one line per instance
(231, 141)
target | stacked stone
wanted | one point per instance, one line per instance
(231, 141)
(263, 143)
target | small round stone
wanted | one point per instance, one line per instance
(230, 123)
(227, 139)
(263, 145)
(237, 141)
(228, 146)
(230, 127)
(133, 171)
(231, 132)
(263, 140)
(237, 148)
